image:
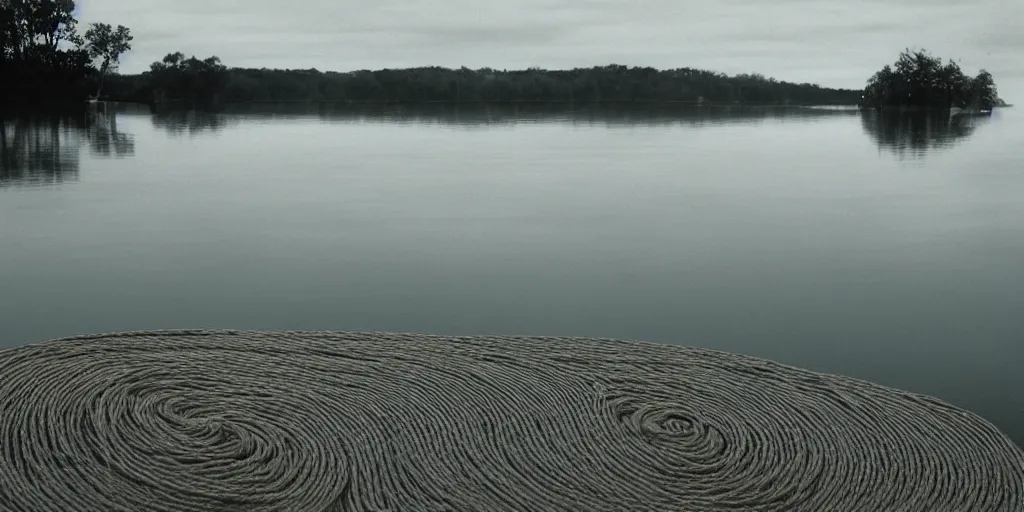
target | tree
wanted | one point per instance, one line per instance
(35, 25)
(53, 22)
(983, 91)
(41, 54)
(107, 45)
(192, 80)
(919, 80)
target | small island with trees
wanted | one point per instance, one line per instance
(919, 80)
(44, 61)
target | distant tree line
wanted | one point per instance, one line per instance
(43, 59)
(918, 79)
(177, 79)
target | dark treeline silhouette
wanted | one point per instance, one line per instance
(918, 79)
(177, 78)
(915, 133)
(43, 59)
(44, 148)
(200, 82)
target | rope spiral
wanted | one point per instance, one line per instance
(296, 421)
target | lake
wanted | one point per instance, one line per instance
(884, 247)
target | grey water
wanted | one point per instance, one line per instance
(888, 247)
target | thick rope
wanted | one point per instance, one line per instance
(259, 421)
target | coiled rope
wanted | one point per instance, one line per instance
(260, 421)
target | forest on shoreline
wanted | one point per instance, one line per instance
(208, 81)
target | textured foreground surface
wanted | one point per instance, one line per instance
(345, 421)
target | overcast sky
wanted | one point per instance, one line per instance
(832, 42)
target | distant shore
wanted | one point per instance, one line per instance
(207, 81)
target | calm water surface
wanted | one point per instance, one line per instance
(886, 248)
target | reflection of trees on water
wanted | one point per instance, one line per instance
(40, 151)
(46, 149)
(106, 140)
(178, 122)
(479, 115)
(916, 133)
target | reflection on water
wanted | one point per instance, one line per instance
(105, 139)
(477, 115)
(39, 150)
(177, 122)
(913, 134)
(192, 122)
(46, 149)
(776, 232)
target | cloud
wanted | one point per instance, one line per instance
(833, 42)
